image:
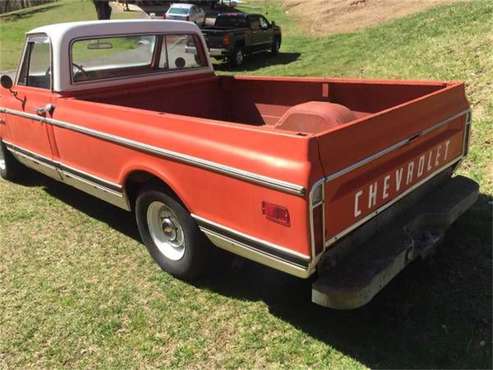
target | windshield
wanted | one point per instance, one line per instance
(179, 11)
(230, 22)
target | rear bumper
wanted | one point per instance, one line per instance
(364, 271)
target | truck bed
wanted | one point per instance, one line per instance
(403, 134)
(262, 101)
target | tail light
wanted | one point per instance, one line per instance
(188, 18)
(227, 40)
(276, 213)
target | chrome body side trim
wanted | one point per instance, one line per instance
(36, 162)
(276, 184)
(263, 244)
(255, 249)
(243, 250)
(311, 208)
(393, 147)
(100, 188)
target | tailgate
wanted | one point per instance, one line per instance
(214, 38)
(372, 163)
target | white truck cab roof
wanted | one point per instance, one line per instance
(182, 6)
(62, 34)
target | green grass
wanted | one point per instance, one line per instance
(77, 288)
(13, 27)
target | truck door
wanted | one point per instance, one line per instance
(255, 32)
(266, 32)
(29, 105)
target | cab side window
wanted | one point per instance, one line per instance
(36, 66)
(254, 22)
(263, 23)
(181, 52)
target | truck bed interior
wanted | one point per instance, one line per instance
(269, 102)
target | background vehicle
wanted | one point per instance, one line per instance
(347, 179)
(186, 12)
(235, 35)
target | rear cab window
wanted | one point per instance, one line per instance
(179, 11)
(134, 55)
(231, 22)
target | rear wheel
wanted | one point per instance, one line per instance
(276, 45)
(170, 234)
(10, 168)
(237, 58)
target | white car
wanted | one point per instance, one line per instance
(186, 12)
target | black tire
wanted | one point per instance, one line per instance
(196, 249)
(10, 168)
(276, 45)
(237, 58)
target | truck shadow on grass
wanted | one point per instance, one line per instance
(257, 61)
(433, 315)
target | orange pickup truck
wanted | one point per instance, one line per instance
(345, 181)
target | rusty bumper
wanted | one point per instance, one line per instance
(415, 232)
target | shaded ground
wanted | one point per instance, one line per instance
(323, 17)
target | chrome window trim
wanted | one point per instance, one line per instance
(23, 56)
(276, 184)
(392, 148)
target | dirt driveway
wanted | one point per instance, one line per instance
(322, 17)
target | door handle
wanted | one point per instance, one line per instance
(48, 108)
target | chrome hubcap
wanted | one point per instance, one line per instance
(166, 231)
(3, 166)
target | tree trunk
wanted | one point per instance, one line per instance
(103, 9)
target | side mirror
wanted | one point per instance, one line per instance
(6, 82)
(273, 23)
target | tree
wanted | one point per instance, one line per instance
(103, 9)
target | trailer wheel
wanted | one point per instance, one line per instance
(170, 234)
(237, 57)
(10, 168)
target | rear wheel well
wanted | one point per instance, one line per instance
(137, 180)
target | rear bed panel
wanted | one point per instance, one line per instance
(370, 164)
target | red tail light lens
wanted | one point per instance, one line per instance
(276, 213)
(226, 40)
